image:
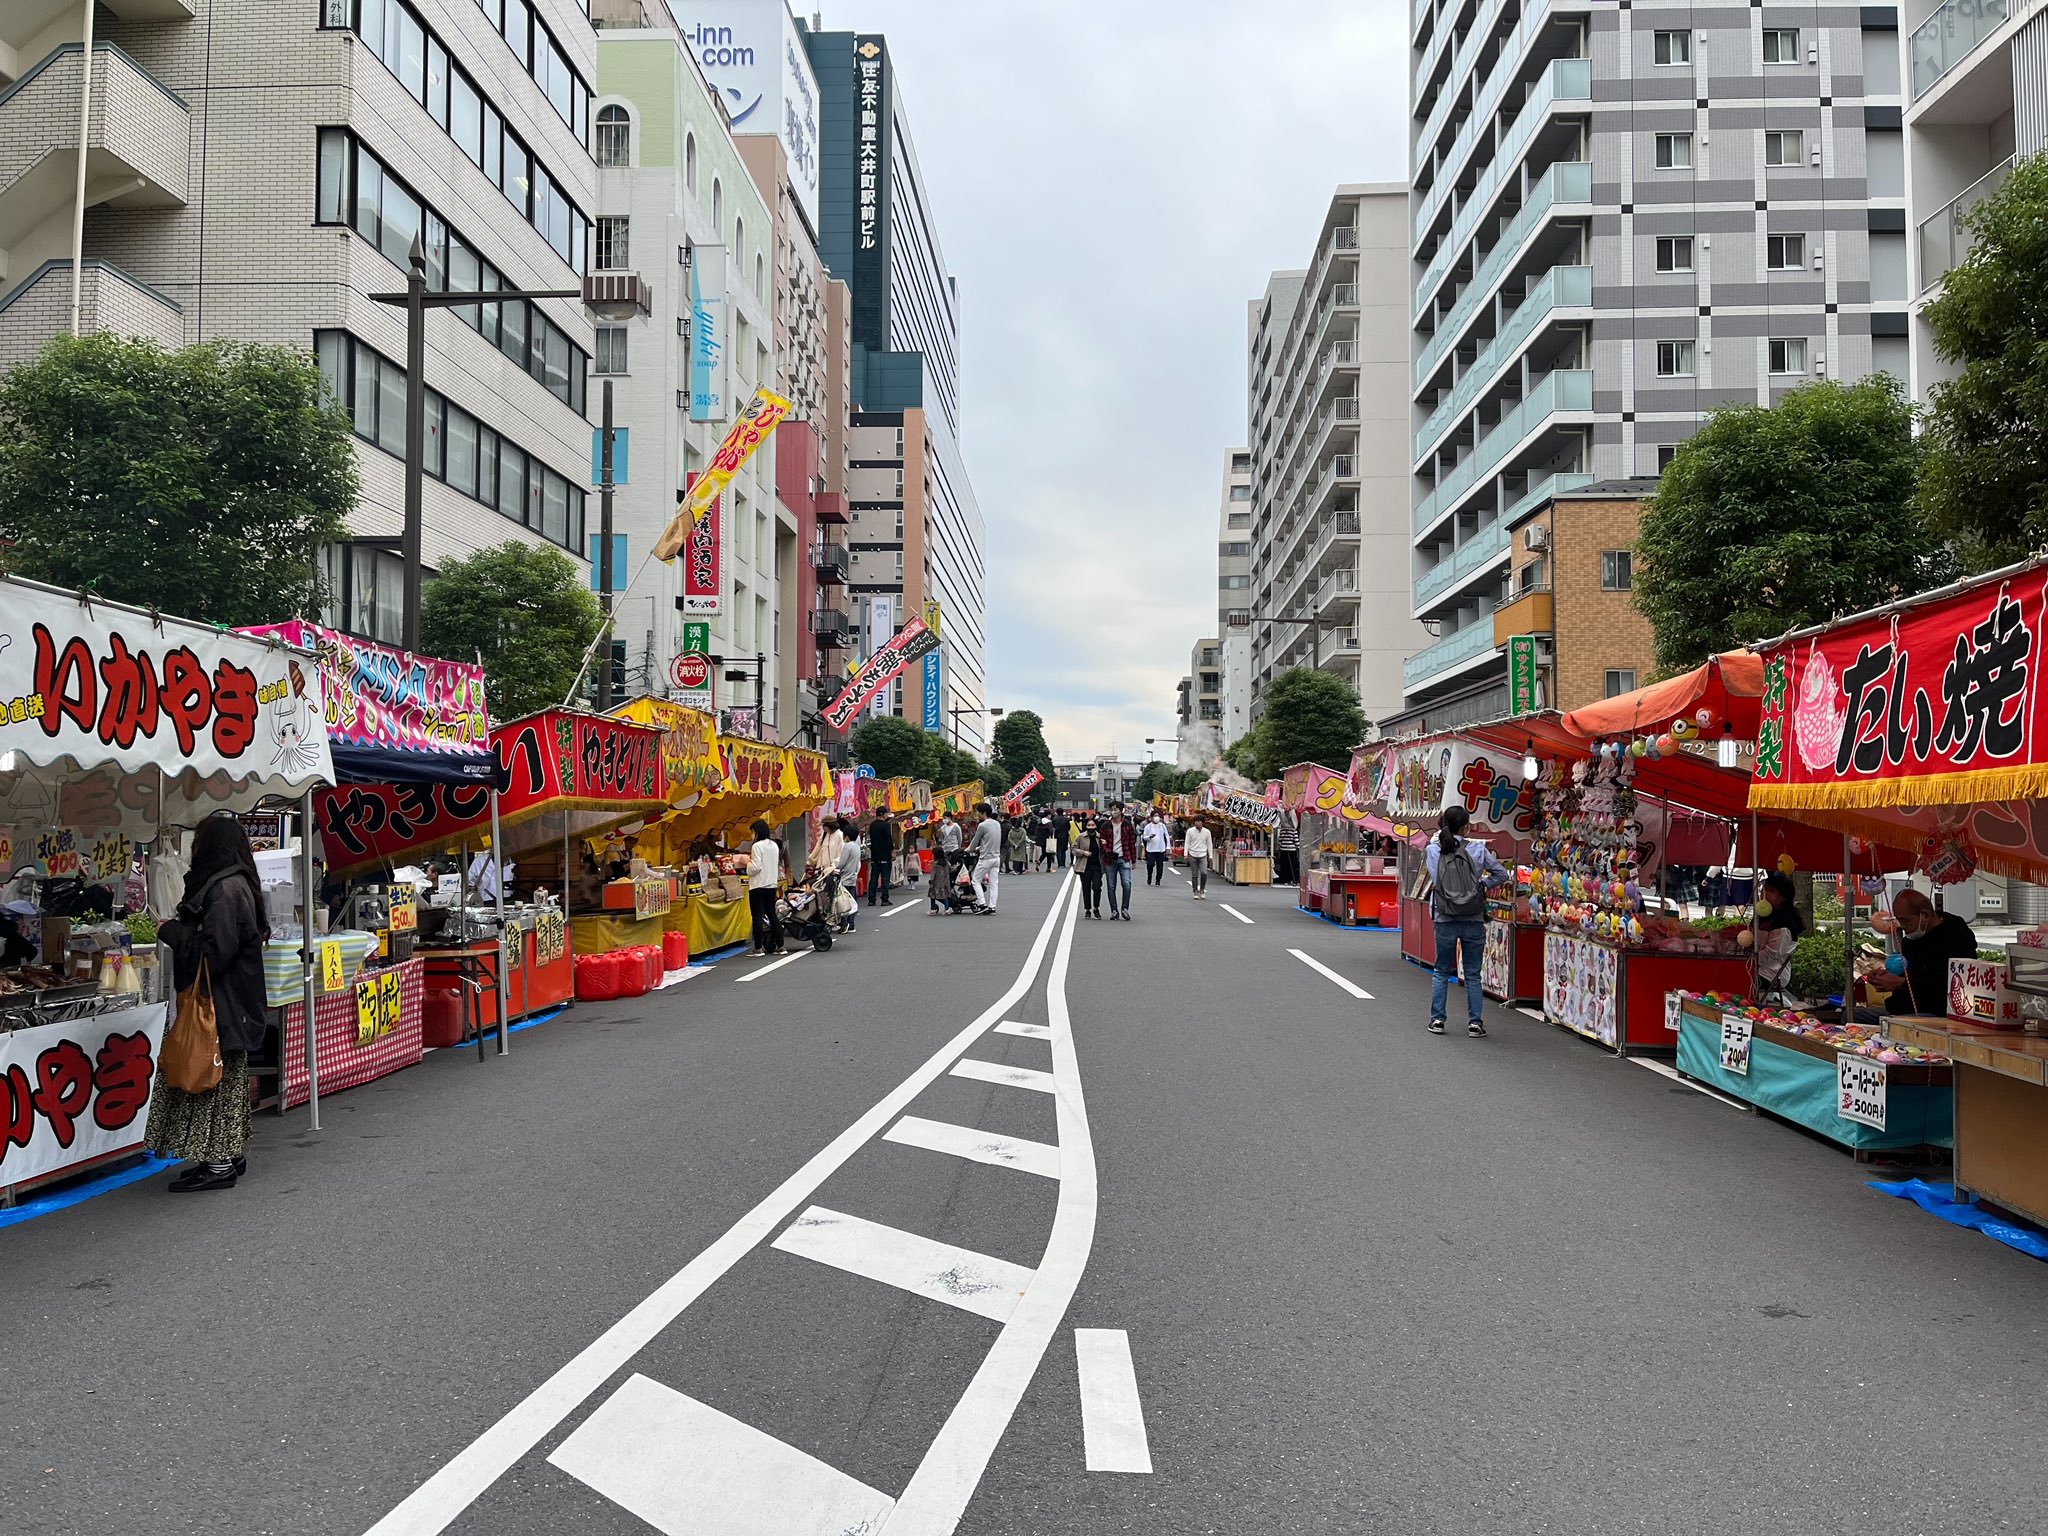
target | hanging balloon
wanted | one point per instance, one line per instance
(1704, 716)
(1786, 864)
(1681, 728)
(1637, 747)
(1666, 747)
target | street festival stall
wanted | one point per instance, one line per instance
(1346, 873)
(1244, 853)
(116, 726)
(1922, 725)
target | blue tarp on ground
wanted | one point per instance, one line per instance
(1940, 1200)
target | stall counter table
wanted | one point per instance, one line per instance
(1616, 996)
(345, 1059)
(1513, 972)
(1247, 869)
(600, 934)
(1353, 897)
(471, 968)
(535, 988)
(1418, 932)
(1793, 1077)
(711, 925)
(2001, 1109)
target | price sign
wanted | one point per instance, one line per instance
(550, 938)
(109, 856)
(514, 943)
(1674, 1005)
(650, 898)
(6, 850)
(1861, 1085)
(405, 915)
(333, 969)
(1735, 1033)
(378, 1000)
(57, 854)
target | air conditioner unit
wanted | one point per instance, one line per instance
(1538, 536)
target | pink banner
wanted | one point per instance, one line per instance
(376, 696)
(704, 561)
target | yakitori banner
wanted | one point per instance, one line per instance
(878, 671)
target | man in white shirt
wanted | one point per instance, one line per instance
(764, 874)
(1199, 844)
(485, 875)
(1158, 838)
(986, 848)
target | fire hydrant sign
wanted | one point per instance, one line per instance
(1735, 1033)
(1861, 1085)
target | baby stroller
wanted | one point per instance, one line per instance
(808, 911)
(956, 892)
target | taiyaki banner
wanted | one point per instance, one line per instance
(117, 720)
(1938, 703)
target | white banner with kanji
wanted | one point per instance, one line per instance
(70, 1093)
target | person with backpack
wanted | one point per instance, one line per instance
(1460, 870)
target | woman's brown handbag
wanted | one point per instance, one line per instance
(191, 1052)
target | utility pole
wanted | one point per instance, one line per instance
(604, 553)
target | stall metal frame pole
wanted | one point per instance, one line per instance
(1848, 931)
(498, 859)
(1756, 893)
(310, 994)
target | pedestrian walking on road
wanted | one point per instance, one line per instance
(985, 850)
(764, 874)
(1460, 870)
(1117, 841)
(1047, 845)
(851, 853)
(945, 858)
(1063, 827)
(1019, 842)
(1199, 844)
(1081, 850)
(220, 925)
(1158, 837)
(1287, 850)
(881, 859)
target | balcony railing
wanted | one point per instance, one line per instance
(1344, 237)
(1564, 80)
(1337, 587)
(1569, 181)
(832, 628)
(1475, 639)
(830, 562)
(1341, 528)
(1945, 39)
(1568, 389)
(1943, 240)
(1481, 549)
(1559, 288)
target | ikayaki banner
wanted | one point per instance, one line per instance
(880, 670)
(375, 696)
(747, 434)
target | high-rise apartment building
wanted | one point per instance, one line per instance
(1200, 706)
(254, 171)
(916, 534)
(1327, 349)
(1233, 606)
(1622, 217)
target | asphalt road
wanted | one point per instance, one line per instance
(750, 1256)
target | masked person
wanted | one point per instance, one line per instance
(1116, 840)
(1928, 940)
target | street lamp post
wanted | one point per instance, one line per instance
(757, 673)
(963, 709)
(1315, 622)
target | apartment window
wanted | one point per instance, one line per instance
(463, 452)
(614, 145)
(1240, 463)
(717, 204)
(1674, 151)
(1674, 47)
(611, 349)
(1617, 570)
(614, 247)
(1781, 45)
(1234, 547)
(739, 243)
(1784, 146)
(1240, 519)
(1240, 493)
(1788, 354)
(1666, 452)
(1530, 578)
(1675, 359)
(1235, 583)
(1674, 253)
(1620, 680)
(1784, 253)
(690, 163)
(534, 46)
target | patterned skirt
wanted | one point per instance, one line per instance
(202, 1127)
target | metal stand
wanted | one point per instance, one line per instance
(311, 991)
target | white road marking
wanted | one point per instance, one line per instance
(775, 965)
(1663, 1069)
(902, 907)
(1112, 1419)
(435, 1504)
(978, 1146)
(1032, 1031)
(923, 1266)
(1345, 982)
(1235, 913)
(689, 1470)
(997, 1072)
(938, 1492)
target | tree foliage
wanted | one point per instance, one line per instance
(528, 610)
(1772, 517)
(202, 481)
(889, 744)
(1019, 745)
(1311, 716)
(1242, 755)
(1985, 478)
(1164, 779)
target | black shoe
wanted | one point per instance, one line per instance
(1475, 1029)
(207, 1179)
(1436, 1026)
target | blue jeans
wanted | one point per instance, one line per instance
(1119, 875)
(1450, 933)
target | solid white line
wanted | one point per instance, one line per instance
(978, 1146)
(432, 1506)
(959, 1277)
(685, 1468)
(902, 907)
(1112, 1419)
(1664, 1070)
(775, 965)
(1316, 965)
(1235, 913)
(1032, 1031)
(998, 1072)
(945, 1480)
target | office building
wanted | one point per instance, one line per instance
(1328, 346)
(255, 171)
(916, 535)
(1623, 217)
(1233, 609)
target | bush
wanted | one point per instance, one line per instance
(1818, 966)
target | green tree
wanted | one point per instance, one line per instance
(526, 608)
(1985, 477)
(1019, 747)
(1772, 517)
(201, 481)
(1311, 716)
(889, 744)
(942, 764)
(1151, 781)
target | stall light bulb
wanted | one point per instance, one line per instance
(1724, 752)
(6, 762)
(1530, 768)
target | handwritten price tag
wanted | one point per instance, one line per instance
(1863, 1086)
(1735, 1037)
(405, 915)
(333, 968)
(378, 1000)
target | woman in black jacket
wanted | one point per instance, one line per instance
(220, 921)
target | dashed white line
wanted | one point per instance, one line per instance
(775, 965)
(1112, 1418)
(1031, 1031)
(897, 909)
(685, 1468)
(974, 1282)
(1235, 913)
(1343, 981)
(977, 1146)
(998, 1072)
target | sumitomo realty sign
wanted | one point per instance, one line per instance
(752, 54)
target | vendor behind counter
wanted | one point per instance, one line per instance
(1928, 940)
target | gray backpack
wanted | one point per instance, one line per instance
(1458, 891)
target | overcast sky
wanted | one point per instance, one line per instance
(1113, 181)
